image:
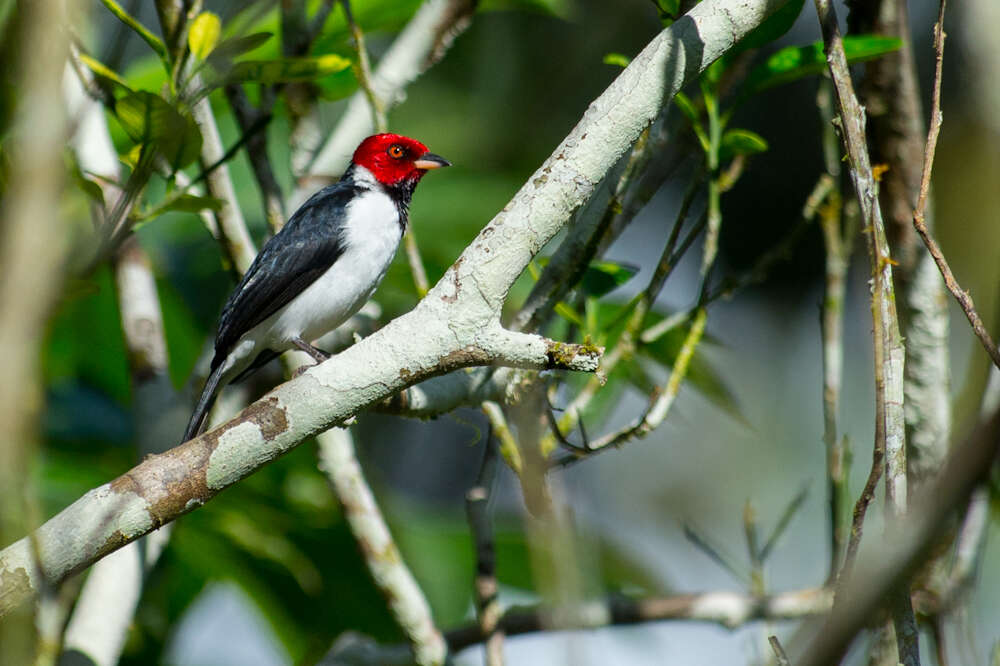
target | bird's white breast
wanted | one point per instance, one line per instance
(371, 235)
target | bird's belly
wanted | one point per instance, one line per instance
(332, 299)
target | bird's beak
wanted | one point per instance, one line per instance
(430, 161)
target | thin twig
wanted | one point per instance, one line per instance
(232, 227)
(364, 70)
(779, 652)
(729, 609)
(838, 244)
(488, 609)
(860, 509)
(253, 122)
(509, 449)
(888, 348)
(416, 262)
(663, 398)
(963, 297)
(669, 258)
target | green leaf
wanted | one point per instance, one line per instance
(773, 27)
(601, 277)
(616, 59)
(741, 142)
(338, 85)
(796, 62)
(233, 47)
(668, 10)
(284, 70)
(103, 71)
(203, 35)
(568, 313)
(271, 545)
(150, 119)
(184, 203)
(191, 203)
(683, 102)
(560, 8)
(86, 185)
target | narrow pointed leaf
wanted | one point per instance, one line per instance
(786, 517)
(283, 70)
(602, 277)
(775, 26)
(741, 142)
(795, 62)
(103, 71)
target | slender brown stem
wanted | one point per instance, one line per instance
(838, 251)
(488, 609)
(256, 144)
(889, 353)
(730, 609)
(963, 297)
(364, 70)
(779, 652)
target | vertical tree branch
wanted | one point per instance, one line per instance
(919, 214)
(889, 353)
(364, 71)
(104, 612)
(32, 252)
(232, 227)
(256, 147)
(838, 242)
(890, 563)
(488, 609)
(888, 348)
(891, 95)
(385, 563)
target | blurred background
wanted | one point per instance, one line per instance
(268, 573)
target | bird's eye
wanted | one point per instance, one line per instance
(396, 151)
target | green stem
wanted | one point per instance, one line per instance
(154, 42)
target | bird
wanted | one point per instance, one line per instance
(321, 267)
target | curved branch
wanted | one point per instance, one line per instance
(454, 326)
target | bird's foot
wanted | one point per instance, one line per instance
(318, 354)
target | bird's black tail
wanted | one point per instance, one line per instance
(205, 403)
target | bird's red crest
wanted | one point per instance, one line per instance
(390, 157)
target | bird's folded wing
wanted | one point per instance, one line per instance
(297, 256)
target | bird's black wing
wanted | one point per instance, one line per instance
(293, 259)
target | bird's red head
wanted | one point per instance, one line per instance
(394, 159)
